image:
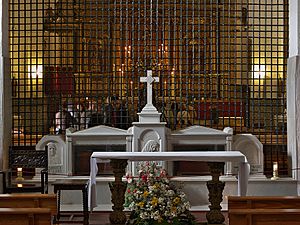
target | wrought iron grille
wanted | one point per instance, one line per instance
(220, 63)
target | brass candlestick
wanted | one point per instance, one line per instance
(19, 174)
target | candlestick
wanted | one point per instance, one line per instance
(19, 174)
(275, 171)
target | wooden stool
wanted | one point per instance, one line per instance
(73, 185)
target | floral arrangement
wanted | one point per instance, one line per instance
(153, 200)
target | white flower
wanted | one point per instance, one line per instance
(170, 193)
(151, 196)
(160, 200)
(151, 188)
(144, 215)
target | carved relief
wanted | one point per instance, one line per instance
(149, 141)
(151, 146)
(55, 157)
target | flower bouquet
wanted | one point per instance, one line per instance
(152, 200)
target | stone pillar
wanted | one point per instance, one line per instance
(293, 91)
(5, 89)
(293, 114)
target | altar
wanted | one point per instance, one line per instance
(152, 134)
(215, 159)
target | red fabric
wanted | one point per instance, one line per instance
(224, 109)
(59, 80)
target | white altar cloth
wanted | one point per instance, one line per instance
(203, 156)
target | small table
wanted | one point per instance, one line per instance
(73, 185)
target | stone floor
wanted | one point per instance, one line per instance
(102, 218)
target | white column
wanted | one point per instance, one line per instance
(69, 151)
(5, 86)
(293, 91)
(228, 165)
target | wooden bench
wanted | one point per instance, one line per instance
(29, 201)
(25, 216)
(264, 210)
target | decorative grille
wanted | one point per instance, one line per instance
(220, 63)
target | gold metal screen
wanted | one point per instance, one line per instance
(219, 63)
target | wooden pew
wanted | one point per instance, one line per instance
(40, 202)
(264, 210)
(25, 216)
(29, 201)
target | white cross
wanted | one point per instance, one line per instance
(149, 79)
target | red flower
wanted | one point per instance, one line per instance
(144, 177)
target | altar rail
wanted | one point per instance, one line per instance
(256, 210)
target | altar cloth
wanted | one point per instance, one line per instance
(203, 156)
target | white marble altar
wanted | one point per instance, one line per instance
(57, 153)
(203, 156)
(148, 129)
(252, 148)
(95, 136)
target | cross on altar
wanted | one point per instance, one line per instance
(149, 79)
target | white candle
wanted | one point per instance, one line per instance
(275, 166)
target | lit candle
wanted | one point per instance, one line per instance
(19, 174)
(131, 87)
(275, 171)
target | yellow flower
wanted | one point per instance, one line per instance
(141, 204)
(174, 209)
(160, 219)
(154, 201)
(176, 201)
(145, 194)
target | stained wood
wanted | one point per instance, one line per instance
(25, 216)
(29, 201)
(264, 210)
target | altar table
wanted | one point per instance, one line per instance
(120, 159)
